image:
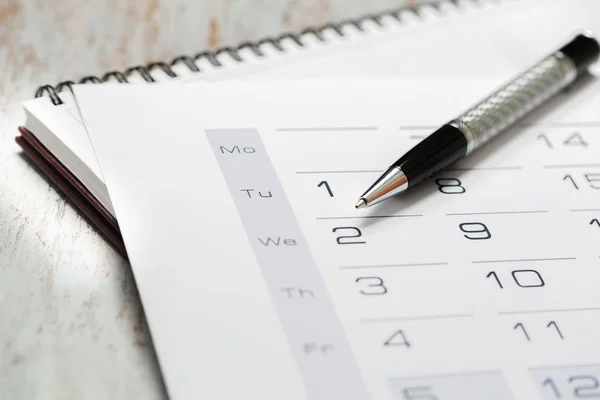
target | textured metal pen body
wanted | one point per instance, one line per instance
(516, 98)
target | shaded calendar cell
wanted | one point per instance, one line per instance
(572, 382)
(489, 385)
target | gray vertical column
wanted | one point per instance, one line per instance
(295, 284)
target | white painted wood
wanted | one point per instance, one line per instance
(71, 323)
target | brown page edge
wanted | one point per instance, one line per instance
(77, 194)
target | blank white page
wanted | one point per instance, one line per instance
(260, 279)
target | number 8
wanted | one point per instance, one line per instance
(450, 186)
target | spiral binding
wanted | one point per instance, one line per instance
(145, 71)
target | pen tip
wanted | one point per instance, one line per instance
(361, 203)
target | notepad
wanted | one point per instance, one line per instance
(260, 279)
(447, 39)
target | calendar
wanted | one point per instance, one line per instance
(261, 280)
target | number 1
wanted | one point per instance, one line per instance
(550, 382)
(570, 178)
(492, 273)
(520, 325)
(324, 183)
(552, 323)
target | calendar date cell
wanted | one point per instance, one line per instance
(568, 383)
(469, 386)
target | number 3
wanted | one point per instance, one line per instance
(376, 288)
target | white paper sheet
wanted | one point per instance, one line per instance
(261, 281)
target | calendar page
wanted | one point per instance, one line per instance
(260, 280)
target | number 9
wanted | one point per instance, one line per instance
(476, 230)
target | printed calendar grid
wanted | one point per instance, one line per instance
(525, 269)
(520, 272)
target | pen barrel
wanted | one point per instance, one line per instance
(515, 99)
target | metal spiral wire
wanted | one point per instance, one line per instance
(515, 99)
(145, 71)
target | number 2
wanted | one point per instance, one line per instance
(342, 239)
(582, 391)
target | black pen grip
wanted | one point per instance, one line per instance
(438, 150)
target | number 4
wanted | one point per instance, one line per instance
(397, 339)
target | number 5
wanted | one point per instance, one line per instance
(419, 393)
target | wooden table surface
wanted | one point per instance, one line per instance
(71, 323)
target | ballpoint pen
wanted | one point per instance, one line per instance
(461, 136)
